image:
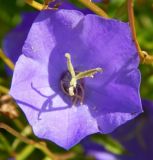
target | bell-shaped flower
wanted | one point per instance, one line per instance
(93, 88)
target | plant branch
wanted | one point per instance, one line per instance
(6, 60)
(86, 3)
(35, 4)
(94, 8)
(40, 145)
(4, 89)
(144, 56)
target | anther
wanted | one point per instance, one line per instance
(74, 87)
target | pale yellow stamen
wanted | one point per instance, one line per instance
(89, 73)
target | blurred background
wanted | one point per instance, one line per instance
(12, 147)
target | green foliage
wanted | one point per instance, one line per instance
(110, 144)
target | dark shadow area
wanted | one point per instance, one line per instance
(46, 106)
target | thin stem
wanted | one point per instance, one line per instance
(5, 143)
(26, 132)
(94, 8)
(35, 4)
(86, 3)
(6, 60)
(40, 145)
(144, 56)
(25, 152)
(4, 90)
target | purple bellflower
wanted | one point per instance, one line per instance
(60, 100)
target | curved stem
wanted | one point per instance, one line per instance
(26, 132)
(4, 89)
(144, 56)
(86, 3)
(35, 4)
(94, 8)
(40, 145)
(6, 60)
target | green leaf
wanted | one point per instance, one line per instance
(110, 144)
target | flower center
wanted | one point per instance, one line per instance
(78, 90)
(72, 82)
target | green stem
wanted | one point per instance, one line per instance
(18, 124)
(46, 158)
(6, 60)
(35, 4)
(25, 153)
(144, 56)
(4, 90)
(26, 132)
(5, 143)
(40, 145)
(86, 3)
(94, 8)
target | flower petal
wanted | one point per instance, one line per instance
(111, 98)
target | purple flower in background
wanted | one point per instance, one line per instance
(66, 112)
(98, 152)
(14, 40)
(135, 136)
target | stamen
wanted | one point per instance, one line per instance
(72, 83)
(72, 72)
(71, 90)
(89, 73)
(78, 91)
(63, 89)
(69, 65)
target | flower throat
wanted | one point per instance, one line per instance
(72, 82)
